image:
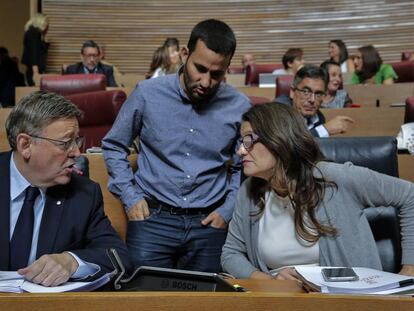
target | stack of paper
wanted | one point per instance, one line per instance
(370, 281)
(12, 282)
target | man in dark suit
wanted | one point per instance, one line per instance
(306, 94)
(90, 63)
(52, 223)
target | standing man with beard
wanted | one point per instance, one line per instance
(181, 198)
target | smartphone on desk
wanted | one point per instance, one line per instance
(339, 275)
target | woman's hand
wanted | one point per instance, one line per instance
(287, 274)
(407, 270)
(258, 275)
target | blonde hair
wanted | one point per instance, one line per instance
(38, 21)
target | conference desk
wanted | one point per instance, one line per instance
(262, 295)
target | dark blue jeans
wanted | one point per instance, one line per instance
(175, 241)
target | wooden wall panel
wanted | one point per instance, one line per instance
(132, 29)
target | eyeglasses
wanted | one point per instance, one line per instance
(66, 146)
(306, 93)
(249, 140)
(91, 55)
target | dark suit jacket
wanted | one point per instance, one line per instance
(286, 100)
(73, 220)
(108, 71)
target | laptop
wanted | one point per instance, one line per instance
(268, 79)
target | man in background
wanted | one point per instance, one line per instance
(90, 63)
(306, 94)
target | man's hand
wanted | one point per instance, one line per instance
(407, 270)
(214, 220)
(139, 211)
(338, 125)
(287, 274)
(50, 270)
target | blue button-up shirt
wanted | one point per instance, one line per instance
(184, 148)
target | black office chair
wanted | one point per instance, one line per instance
(378, 154)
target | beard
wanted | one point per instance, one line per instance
(190, 87)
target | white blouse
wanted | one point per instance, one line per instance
(278, 244)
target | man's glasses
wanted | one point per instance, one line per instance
(306, 93)
(64, 145)
(249, 140)
(91, 55)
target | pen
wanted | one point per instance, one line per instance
(406, 282)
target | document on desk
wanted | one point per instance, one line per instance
(12, 282)
(370, 281)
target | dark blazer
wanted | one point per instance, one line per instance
(286, 100)
(108, 71)
(34, 49)
(73, 220)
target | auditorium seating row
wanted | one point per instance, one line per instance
(404, 69)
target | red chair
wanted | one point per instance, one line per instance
(409, 110)
(100, 110)
(258, 100)
(283, 84)
(404, 70)
(253, 72)
(73, 84)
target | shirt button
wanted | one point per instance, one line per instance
(185, 199)
(191, 130)
(188, 176)
(187, 154)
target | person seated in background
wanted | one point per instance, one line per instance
(165, 60)
(369, 68)
(306, 95)
(334, 98)
(297, 209)
(292, 61)
(247, 59)
(10, 77)
(338, 52)
(90, 63)
(52, 225)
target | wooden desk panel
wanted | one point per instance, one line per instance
(367, 94)
(406, 167)
(268, 92)
(236, 79)
(21, 91)
(113, 206)
(281, 295)
(4, 144)
(370, 121)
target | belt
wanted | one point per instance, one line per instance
(174, 210)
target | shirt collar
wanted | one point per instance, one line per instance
(17, 181)
(312, 120)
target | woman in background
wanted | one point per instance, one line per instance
(335, 98)
(339, 53)
(35, 46)
(369, 68)
(297, 209)
(166, 60)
